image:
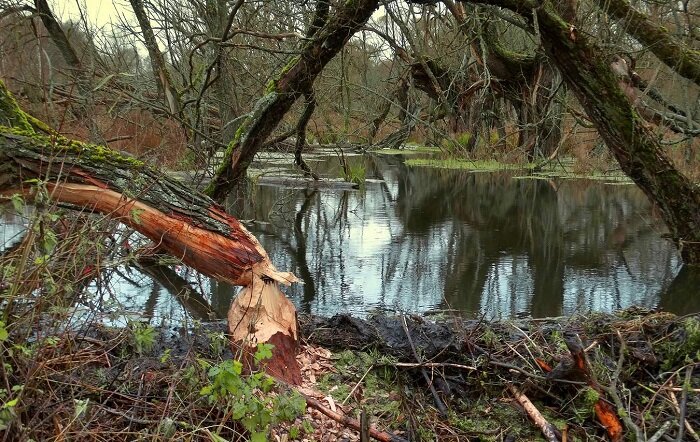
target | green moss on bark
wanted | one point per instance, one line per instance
(10, 113)
(272, 84)
(673, 52)
(64, 146)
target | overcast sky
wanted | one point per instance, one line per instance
(102, 12)
(99, 12)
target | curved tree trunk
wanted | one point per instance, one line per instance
(637, 150)
(84, 108)
(675, 54)
(160, 71)
(309, 108)
(293, 81)
(530, 84)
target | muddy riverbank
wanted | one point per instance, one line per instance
(416, 377)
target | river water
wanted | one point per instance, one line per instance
(416, 239)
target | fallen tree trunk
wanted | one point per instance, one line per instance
(180, 222)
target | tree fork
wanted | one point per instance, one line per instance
(291, 82)
(674, 53)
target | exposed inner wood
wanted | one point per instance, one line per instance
(181, 223)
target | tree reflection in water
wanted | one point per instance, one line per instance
(426, 239)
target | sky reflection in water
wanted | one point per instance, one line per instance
(426, 239)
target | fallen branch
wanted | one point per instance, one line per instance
(661, 432)
(182, 223)
(603, 410)
(676, 408)
(438, 402)
(683, 404)
(350, 422)
(549, 431)
(433, 365)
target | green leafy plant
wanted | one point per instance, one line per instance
(166, 356)
(217, 342)
(144, 337)
(7, 413)
(4, 335)
(263, 352)
(458, 144)
(247, 398)
(17, 203)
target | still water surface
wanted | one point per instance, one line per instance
(424, 239)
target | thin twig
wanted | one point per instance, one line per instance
(660, 433)
(684, 400)
(433, 365)
(438, 402)
(350, 422)
(364, 426)
(357, 385)
(533, 375)
(677, 409)
(612, 392)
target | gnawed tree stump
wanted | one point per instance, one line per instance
(262, 314)
(180, 222)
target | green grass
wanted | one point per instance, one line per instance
(561, 170)
(411, 149)
(616, 178)
(464, 164)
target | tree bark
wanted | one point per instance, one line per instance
(675, 54)
(309, 108)
(160, 71)
(530, 84)
(10, 114)
(637, 150)
(61, 41)
(293, 81)
(84, 108)
(180, 222)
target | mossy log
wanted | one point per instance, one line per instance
(10, 114)
(179, 221)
